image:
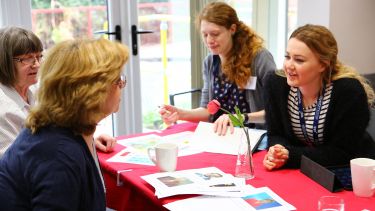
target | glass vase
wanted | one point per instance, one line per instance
(244, 164)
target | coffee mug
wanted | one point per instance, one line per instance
(164, 156)
(363, 176)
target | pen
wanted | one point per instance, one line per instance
(162, 107)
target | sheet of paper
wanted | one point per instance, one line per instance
(135, 151)
(208, 181)
(256, 199)
(207, 140)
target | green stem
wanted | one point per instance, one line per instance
(229, 113)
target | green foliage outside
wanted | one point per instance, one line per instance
(152, 120)
(53, 26)
(44, 4)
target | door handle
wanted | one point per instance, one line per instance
(135, 32)
(117, 32)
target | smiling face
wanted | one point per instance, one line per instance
(218, 39)
(302, 66)
(27, 72)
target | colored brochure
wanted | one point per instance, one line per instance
(206, 181)
(263, 199)
(135, 151)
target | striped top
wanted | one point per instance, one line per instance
(309, 113)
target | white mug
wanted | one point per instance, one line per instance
(165, 156)
(363, 176)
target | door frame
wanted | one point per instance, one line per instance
(128, 120)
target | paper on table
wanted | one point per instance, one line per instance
(136, 148)
(256, 199)
(207, 140)
(207, 181)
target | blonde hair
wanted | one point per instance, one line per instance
(246, 43)
(74, 82)
(322, 42)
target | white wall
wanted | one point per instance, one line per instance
(15, 13)
(313, 11)
(353, 24)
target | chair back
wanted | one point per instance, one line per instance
(371, 126)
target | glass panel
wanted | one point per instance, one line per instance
(292, 16)
(244, 9)
(164, 56)
(54, 21)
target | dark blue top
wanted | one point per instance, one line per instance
(50, 170)
(227, 93)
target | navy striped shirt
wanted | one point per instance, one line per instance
(309, 116)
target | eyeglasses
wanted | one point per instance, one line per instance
(121, 82)
(29, 60)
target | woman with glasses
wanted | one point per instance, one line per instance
(53, 165)
(20, 57)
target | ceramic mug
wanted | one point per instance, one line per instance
(363, 176)
(164, 156)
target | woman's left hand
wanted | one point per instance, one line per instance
(105, 143)
(221, 125)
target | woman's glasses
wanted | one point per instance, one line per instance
(29, 60)
(121, 82)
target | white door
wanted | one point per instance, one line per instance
(156, 65)
(129, 118)
(159, 62)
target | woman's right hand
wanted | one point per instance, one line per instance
(276, 157)
(169, 114)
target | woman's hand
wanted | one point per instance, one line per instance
(105, 143)
(221, 125)
(169, 114)
(276, 157)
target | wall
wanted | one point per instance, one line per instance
(352, 23)
(15, 13)
(316, 12)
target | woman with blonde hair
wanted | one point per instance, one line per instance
(317, 107)
(233, 73)
(53, 163)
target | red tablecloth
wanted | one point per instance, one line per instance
(290, 184)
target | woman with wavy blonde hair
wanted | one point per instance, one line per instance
(233, 73)
(53, 161)
(318, 107)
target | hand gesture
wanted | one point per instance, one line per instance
(221, 125)
(105, 143)
(276, 157)
(169, 114)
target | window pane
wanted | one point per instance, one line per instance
(164, 56)
(292, 16)
(244, 9)
(55, 21)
